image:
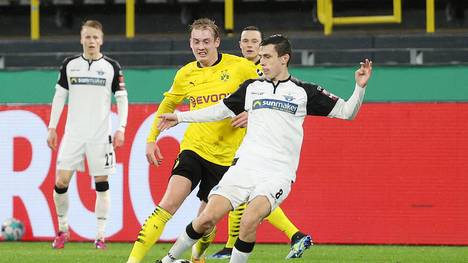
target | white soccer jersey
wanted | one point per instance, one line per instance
(90, 85)
(274, 136)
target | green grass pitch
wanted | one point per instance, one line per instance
(25, 252)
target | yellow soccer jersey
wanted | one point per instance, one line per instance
(218, 141)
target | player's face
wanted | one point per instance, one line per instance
(250, 44)
(204, 46)
(272, 64)
(91, 40)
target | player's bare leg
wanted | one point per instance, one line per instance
(256, 211)
(216, 208)
(199, 248)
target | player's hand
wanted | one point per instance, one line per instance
(52, 139)
(240, 120)
(364, 73)
(168, 120)
(119, 138)
(153, 154)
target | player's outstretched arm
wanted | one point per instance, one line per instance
(363, 74)
(348, 109)
(167, 120)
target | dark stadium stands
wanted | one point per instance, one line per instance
(308, 51)
(161, 38)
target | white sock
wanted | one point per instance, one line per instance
(61, 207)
(102, 208)
(239, 257)
(182, 243)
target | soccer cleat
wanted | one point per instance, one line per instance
(100, 244)
(299, 247)
(224, 253)
(60, 239)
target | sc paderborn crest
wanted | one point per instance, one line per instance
(224, 75)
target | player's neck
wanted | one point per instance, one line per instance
(282, 76)
(92, 56)
(209, 62)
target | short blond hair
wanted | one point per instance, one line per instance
(203, 24)
(92, 23)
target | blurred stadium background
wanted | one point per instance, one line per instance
(395, 175)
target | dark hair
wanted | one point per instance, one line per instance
(92, 23)
(281, 43)
(253, 28)
(205, 23)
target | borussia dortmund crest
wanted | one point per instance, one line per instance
(224, 75)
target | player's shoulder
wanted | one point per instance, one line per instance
(67, 60)
(111, 61)
(233, 59)
(308, 86)
(253, 81)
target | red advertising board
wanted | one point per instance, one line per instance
(394, 175)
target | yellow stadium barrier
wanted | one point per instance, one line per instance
(229, 16)
(325, 16)
(130, 18)
(35, 20)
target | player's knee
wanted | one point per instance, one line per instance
(207, 221)
(61, 184)
(102, 186)
(250, 222)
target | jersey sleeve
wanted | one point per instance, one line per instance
(236, 101)
(172, 99)
(62, 78)
(320, 102)
(118, 82)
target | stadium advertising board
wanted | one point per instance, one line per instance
(395, 175)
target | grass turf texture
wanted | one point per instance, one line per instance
(118, 252)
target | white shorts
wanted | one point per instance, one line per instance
(244, 187)
(100, 157)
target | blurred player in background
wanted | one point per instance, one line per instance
(249, 43)
(207, 149)
(265, 165)
(88, 80)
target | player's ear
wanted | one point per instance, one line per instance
(217, 42)
(285, 59)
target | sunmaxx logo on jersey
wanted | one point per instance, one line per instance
(275, 105)
(87, 81)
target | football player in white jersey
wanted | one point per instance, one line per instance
(249, 43)
(266, 162)
(88, 80)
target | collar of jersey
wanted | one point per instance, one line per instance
(220, 56)
(92, 60)
(280, 81)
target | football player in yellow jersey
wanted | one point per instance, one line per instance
(207, 149)
(249, 43)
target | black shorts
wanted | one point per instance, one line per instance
(198, 170)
